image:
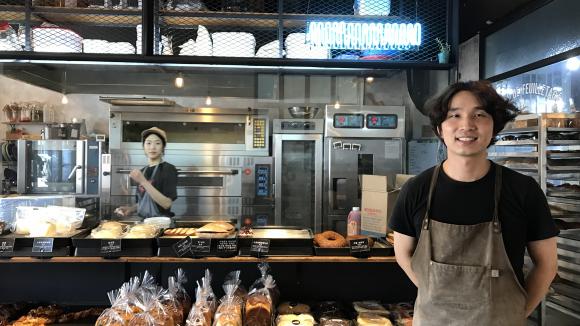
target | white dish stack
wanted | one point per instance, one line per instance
(296, 47)
(233, 44)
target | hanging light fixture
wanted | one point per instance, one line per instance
(179, 80)
(370, 79)
(337, 103)
(64, 98)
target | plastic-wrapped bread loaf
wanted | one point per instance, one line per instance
(258, 310)
(372, 319)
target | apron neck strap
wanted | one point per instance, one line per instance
(430, 196)
(496, 197)
(154, 171)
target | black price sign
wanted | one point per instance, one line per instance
(227, 247)
(42, 245)
(182, 247)
(6, 245)
(200, 246)
(111, 246)
(259, 247)
(359, 247)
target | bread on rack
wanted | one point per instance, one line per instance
(180, 232)
(218, 229)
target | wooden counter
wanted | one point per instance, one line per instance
(236, 260)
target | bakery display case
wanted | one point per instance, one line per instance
(112, 239)
(277, 241)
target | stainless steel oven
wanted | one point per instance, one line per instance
(210, 131)
(59, 167)
(224, 170)
(359, 140)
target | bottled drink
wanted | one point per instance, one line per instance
(353, 222)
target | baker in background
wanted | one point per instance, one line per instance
(157, 182)
(461, 227)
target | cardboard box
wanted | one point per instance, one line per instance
(378, 200)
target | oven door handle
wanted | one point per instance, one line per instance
(228, 172)
(74, 170)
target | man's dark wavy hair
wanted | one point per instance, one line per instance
(501, 109)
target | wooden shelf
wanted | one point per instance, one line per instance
(32, 123)
(237, 259)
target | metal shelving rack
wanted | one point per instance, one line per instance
(550, 152)
(561, 165)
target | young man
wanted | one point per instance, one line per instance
(461, 228)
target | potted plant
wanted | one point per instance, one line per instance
(444, 49)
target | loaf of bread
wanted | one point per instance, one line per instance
(220, 227)
(42, 229)
(258, 311)
(371, 319)
(370, 306)
(183, 232)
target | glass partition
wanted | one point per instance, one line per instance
(553, 88)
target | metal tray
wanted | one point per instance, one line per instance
(61, 246)
(165, 246)
(378, 250)
(89, 247)
(284, 241)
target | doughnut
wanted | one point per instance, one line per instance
(355, 237)
(330, 239)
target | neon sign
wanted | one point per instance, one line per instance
(364, 36)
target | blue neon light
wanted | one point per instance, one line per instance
(364, 36)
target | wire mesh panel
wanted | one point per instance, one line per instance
(375, 30)
(74, 26)
(396, 30)
(12, 20)
(223, 28)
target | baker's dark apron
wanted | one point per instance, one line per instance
(464, 274)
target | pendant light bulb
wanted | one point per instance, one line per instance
(179, 81)
(208, 100)
(337, 105)
(64, 99)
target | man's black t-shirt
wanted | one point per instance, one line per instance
(165, 180)
(523, 209)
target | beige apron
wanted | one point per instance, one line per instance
(465, 276)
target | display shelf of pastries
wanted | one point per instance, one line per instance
(330, 243)
(283, 241)
(203, 235)
(116, 239)
(46, 244)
